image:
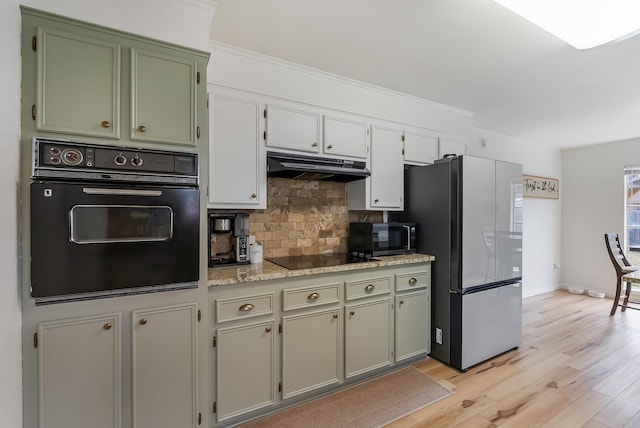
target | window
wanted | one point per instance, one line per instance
(632, 213)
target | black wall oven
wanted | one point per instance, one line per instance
(110, 221)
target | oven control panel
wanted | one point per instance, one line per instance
(75, 160)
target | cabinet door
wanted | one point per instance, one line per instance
(164, 363)
(79, 372)
(245, 369)
(450, 146)
(345, 137)
(293, 129)
(420, 149)
(412, 325)
(163, 98)
(237, 176)
(310, 351)
(78, 84)
(367, 337)
(386, 169)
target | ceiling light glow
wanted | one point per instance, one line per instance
(581, 23)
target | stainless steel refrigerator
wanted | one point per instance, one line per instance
(468, 212)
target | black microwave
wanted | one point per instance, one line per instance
(382, 239)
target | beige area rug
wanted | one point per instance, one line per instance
(374, 403)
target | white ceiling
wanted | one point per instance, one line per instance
(471, 54)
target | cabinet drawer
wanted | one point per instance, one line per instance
(413, 281)
(368, 287)
(244, 307)
(296, 298)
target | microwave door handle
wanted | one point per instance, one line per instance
(408, 237)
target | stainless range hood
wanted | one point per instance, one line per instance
(301, 167)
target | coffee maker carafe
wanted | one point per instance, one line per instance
(228, 239)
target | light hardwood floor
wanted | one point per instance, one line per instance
(576, 367)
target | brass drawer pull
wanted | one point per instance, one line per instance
(335, 316)
(246, 307)
(268, 329)
(107, 326)
(142, 128)
(253, 196)
(105, 124)
(313, 296)
(413, 281)
(143, 321)
(369, 288)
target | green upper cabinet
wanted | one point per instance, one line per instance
(78, 84)
(81, 79)
(163, 98)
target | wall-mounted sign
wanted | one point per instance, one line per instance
(540, 187)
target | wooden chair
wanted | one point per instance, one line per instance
(622, 267)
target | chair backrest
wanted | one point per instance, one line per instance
(616, 254)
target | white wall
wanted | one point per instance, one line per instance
(592, 193)
(10, 308)
(542, 217)
(240, 69)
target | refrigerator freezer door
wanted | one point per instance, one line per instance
(491, 324)
(478, 197)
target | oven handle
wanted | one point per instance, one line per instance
(124, 192)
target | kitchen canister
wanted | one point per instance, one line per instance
(255, 253)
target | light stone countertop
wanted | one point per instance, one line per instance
(266, 270)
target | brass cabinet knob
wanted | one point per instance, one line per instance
(143, 321)
(376, 200)
(352, 313)
(313, 296)
(105, 124)
(268, 329)
(330, 146)
(246, 307)
(253, 196)
(142, 128)
(314, 145)
(402, 302)
(107, 326)
(369, 288)
(413, 281)
(335, 316)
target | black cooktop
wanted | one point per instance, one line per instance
(319, 260)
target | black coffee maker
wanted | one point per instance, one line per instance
(228, 239)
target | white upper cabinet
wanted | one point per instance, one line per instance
(293, 129)
(453, 146)
(384, 189)
(346, 137)
(419, 148)
(237, 164)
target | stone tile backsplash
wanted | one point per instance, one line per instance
(305, 217)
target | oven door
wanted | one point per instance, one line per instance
(88, 238)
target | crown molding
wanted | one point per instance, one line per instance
(220, 46)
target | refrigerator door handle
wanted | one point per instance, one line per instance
(408, 237)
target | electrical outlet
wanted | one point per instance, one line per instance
(439, 336)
